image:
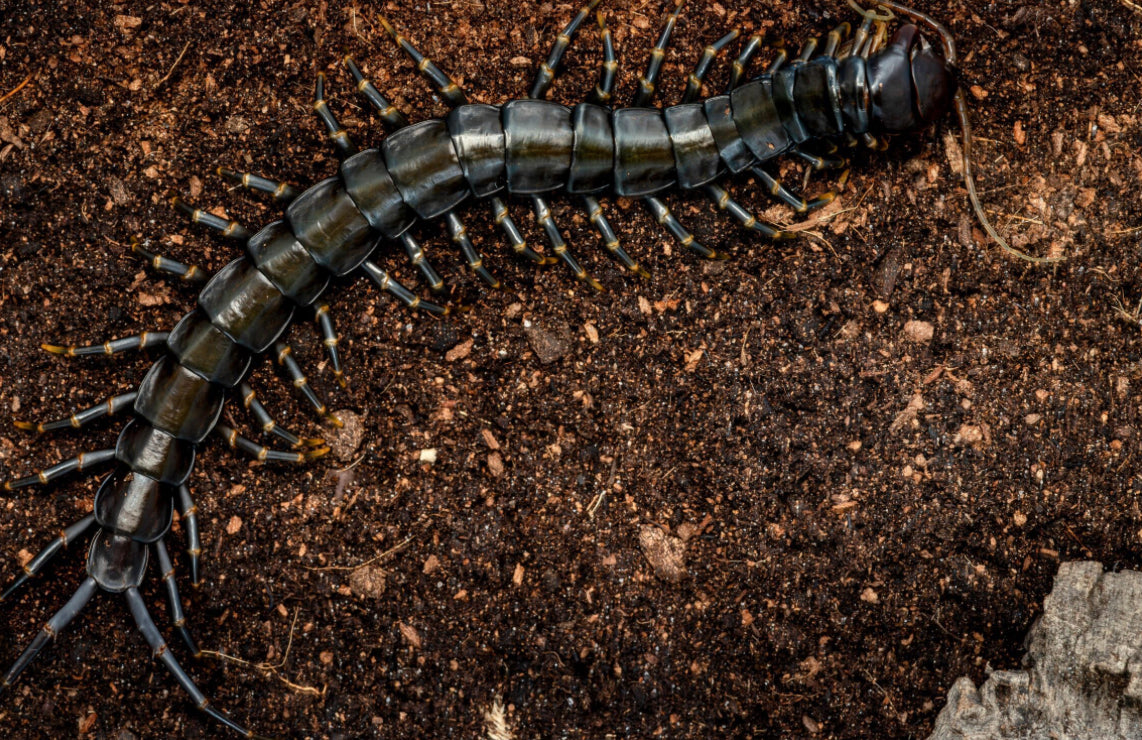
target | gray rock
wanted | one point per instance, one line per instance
(1084, 669)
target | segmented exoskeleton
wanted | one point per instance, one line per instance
(857, 86)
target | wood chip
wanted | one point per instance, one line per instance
(368, 581)
(495, 465)
(460, 351)
(410, 635)
(665, 553)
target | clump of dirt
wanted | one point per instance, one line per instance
(876, 442)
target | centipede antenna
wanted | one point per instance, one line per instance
(447, 89)
(338, 135)
(161, 652)
(285, 359)
(420, 262)
(390, 285)
(459, 234)
(559, 245)
(262, 453)
(110, 407)
(229, 229)
(737, 72)
(178, 618)
(547, 70)
(961, 107)
(189, 513)
(36, 565)
(747, 219)
(603, 93)
(504, 220)
(391, 116)
(711, 52)
(646, 83)
(146, 340)
(280, 191)
(52, 629)
(664, 217)
(610, 239)
(189, 273)
(267, 423)
(81, 463)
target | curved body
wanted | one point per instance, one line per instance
(423, 172)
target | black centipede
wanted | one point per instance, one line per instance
(857, 87)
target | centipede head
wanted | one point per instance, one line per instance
(911, 83)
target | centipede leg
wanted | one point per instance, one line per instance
(282, 192)
(818, 162)
(188, 273)
(807, 50)
(338, 135)
(420, 262)
(285, 360)
(603, 93)
(737, 72)
(836, 36)
(392, 117)
(548, 69)
(649, 79)
(454, 96)
(161, 652)
(664, 217)
(78, 464)
(110, 407)
(54, 627)
(711, 52)
(267, 423)
(262, 453)
(45, 556)
(860, 36)
(146, 340)
(559, 245)
(178, 618)
(475, 260)
(796, 202)
(515, 238)
(543, 80)
(390, 285)
(610, 239)
(747, 219)
(188, 510)
(330, 339)
(229, 229)
(445, 87)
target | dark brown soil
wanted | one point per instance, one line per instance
(865, 511)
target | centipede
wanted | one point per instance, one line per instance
(890, 71)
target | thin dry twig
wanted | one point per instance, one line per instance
(18, 88)
(391, 551)
(1133, 6)
(269, 669)
(170, 72)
